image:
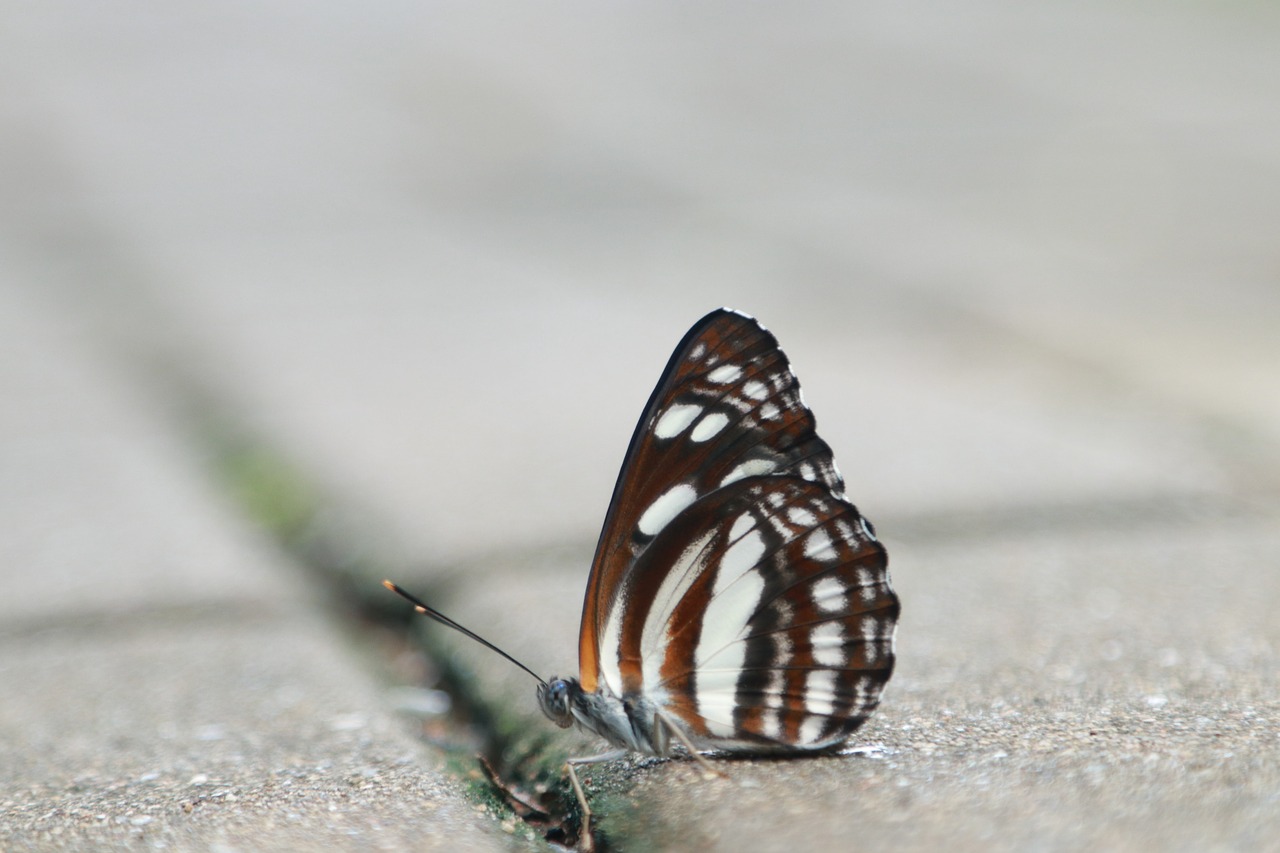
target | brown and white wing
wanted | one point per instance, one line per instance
(762, 618)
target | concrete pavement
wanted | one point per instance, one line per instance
(169, 680)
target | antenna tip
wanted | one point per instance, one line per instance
(389, 585)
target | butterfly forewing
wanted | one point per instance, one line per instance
(726, 407)
(732, 583)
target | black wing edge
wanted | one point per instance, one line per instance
(677, 356)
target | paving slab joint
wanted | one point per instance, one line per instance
(506, 767)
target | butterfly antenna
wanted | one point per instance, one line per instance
(425, 610)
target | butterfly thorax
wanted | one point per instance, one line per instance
(628, 722)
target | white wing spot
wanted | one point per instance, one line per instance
(773, 696)
(745, 522)
(811, 729)
(773, 691)
(741, 557)
(818, 546)
(770, 724)
(783, 649)
(709, 426)
(779, 524)
(871, 633)
(718, 680)
(716, 724)
(769, 411)
(733, 602)
(820, 691)
(697, 352)
(786, 613)
(666, 507)
(827, 641)
(730, 609)
(867, 584)
(829, 595)
(755, 389)
(675, 420)
(655, 639)
(610, 641)
(724, 373)
(801, 517)
(750, 468)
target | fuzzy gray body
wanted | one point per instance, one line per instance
(631, 723)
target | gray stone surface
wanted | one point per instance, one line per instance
(200, 729)
(165, 681)
(106, 509)
(1022, 257)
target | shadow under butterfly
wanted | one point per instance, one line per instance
(737, 601)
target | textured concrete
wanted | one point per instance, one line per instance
(201, 729)
(165, 681)
(1023, 259)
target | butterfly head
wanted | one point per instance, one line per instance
(556, 699)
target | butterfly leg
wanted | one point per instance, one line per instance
(582, 796)
(662, 726)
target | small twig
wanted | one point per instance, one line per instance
(521, 803)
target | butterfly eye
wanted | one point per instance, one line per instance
(554, 699)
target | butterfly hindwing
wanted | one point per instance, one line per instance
(761, 617)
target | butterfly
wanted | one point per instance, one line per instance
(737, 601)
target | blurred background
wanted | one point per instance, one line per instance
(1024, 257)
(405, 273)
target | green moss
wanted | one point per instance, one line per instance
(269, 490)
